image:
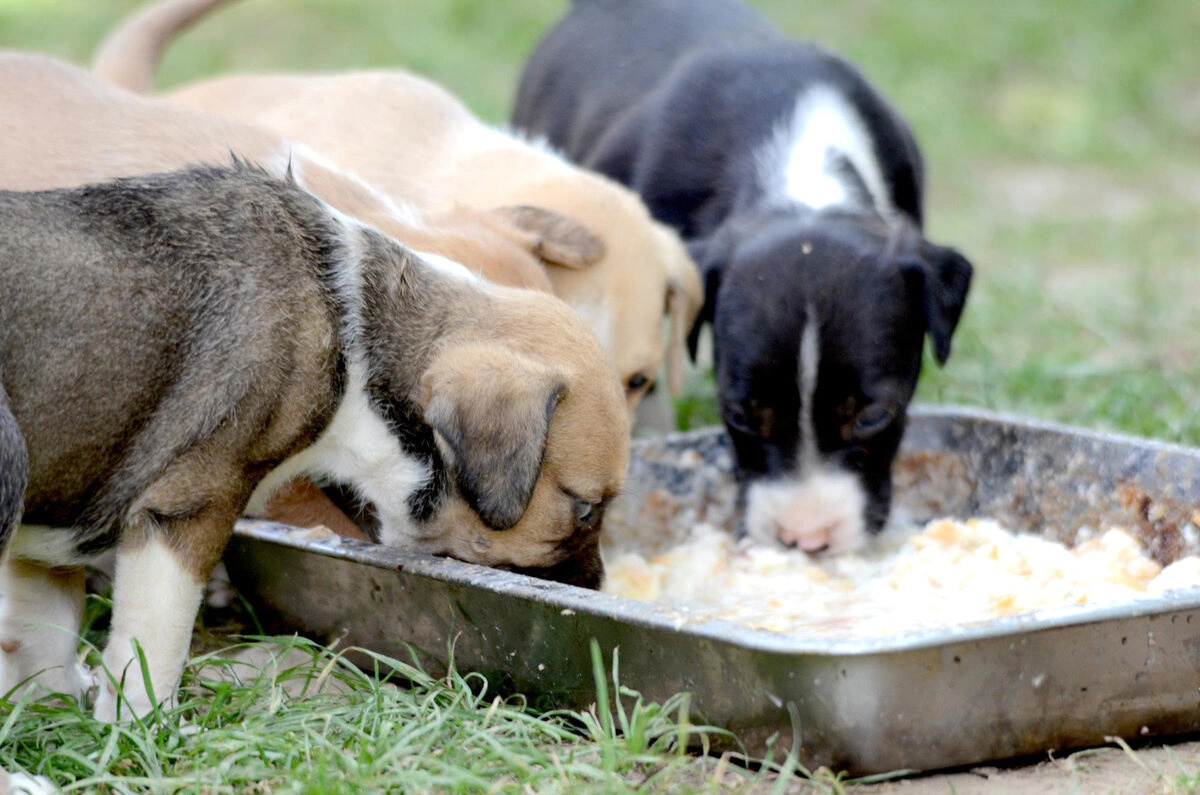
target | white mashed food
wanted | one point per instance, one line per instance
(945, 574)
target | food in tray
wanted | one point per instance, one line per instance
(944, 574)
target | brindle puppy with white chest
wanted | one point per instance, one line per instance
(173, 346)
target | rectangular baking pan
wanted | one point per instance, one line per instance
(921, 700)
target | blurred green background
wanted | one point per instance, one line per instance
(1062, 141)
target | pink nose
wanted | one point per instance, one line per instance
(807, 537)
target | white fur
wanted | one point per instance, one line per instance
(597, 318)
(797, 161)
(357, 447)
(53, 546)
(23, 784)
(821, 510)
(451, 268)
(539, 143)
(298, 154)
(155, 600)
(810, 362)
(40, 616)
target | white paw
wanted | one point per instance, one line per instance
(22, 784)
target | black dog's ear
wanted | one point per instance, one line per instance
(709, 255)
(491, 407)
(942, 277)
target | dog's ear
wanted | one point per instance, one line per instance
(685, 297)
(554, 238)
(491, 409)
(710, 255)
(942, 278)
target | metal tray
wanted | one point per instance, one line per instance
(920, 700)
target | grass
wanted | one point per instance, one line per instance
(1061, 144)
(296, 717)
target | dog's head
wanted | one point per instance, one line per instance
(631, 274)
(536, 451)
(819, 323)
(517, 416)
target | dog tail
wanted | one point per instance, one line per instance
(129, 56)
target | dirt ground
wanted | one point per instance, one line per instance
(1154, 769)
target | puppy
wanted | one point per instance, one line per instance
(174, 346)
(417, 143)
(63, 127)
(798, 189)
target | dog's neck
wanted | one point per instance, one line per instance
(397, 312)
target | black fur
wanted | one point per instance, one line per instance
(677, 98)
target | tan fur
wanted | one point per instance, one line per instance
(62, 127)
(301, 504)
(416, 142)
(66, 113)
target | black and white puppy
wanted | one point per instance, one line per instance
(799, 190)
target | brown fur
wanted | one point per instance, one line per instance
(62, 127)
(415, 141)
(171, 345)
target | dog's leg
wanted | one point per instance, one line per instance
(41, 609)
(161, 569)
(301, 504)
(14, 472)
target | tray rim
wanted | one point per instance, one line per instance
(601, 605)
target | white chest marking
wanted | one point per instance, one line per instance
(357, 447)
(800, 162)
(360, 449)
(810, 360)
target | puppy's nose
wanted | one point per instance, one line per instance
(808, 538)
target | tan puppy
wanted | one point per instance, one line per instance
(413, 140)
(62, 127)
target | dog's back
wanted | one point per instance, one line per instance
(605, 57)
(676, 98)
(185, 298)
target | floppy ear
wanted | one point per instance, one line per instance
(491, 408)
(710, 255)
(554, 238)
(943, 277)
(685, 297)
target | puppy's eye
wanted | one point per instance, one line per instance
(752, 419)
(587, 513)
(636, 382)
(735, 417)
(872, 421)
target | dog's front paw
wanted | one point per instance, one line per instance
(22, 784)
(122, 699)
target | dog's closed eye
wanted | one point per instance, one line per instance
(636, 382)
(587, 513)
(870, 422)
